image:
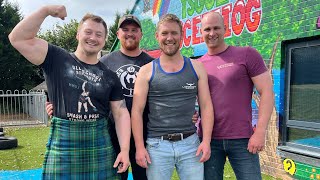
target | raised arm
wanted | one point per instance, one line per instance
(123, 127)
(141, 88)
(23, 36)
(206, 107)
(263, 84)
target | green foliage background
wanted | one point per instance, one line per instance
(15, 72)
(18, 73)
(284, 19)
(63, 36)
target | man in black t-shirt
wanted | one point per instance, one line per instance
(83, 92)
(126, 62)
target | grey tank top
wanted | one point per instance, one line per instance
(171, 100)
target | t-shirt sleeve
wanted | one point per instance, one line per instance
(116, 93)
(255, 63)
(104, 60)
(51, 58)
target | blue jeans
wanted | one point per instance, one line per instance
(166, 155)
(244, 164)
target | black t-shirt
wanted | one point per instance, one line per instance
(79, 91)
(126, 68)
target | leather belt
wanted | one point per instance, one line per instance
(176, 136)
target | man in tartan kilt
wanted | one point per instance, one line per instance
(83, 92)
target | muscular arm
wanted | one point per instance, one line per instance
(139, 101)
(122, 122)
(207, 119)
(23, 36)
(263, 84)
(123, 128)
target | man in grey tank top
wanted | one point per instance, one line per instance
(171, 84)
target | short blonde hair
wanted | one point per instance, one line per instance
(169, 18)
(94, 18)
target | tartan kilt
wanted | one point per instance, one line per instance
(79, 150)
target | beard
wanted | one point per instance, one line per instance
(170, 51)
(130, 45)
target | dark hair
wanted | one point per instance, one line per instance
(94, 18)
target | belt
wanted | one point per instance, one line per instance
(176, 136)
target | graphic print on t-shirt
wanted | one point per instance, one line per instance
(84, 99)
(127, 75)
(85, 109)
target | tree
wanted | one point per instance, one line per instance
(63, 36)
(112, 42)
(15, 72)
(112, 33)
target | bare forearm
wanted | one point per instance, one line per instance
(207, 122)
(265, 111)
(123, 128)
(137, 129)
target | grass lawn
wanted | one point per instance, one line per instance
(31, 148)
(30, 151)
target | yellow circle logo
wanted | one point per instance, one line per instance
(289, 166)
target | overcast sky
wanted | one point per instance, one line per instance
(76, 9)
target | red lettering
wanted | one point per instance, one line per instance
(186, 38)
(238, 14)
(226, 16)
(242, 13)
(253, 25)
(196, 30)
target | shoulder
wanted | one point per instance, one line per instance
(245, 49)
(249, 53)
(198, 67)
(145, 71)
(109, 56)
(251, 50)
(196, 63)
(203, 58)
(104, 68)
(146, 56)
(252, 54)
(107, 71)
(147, 67)
(56, 49)
(55, 55)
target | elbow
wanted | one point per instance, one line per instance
(273, 98)
(13, 40)
(271, 94)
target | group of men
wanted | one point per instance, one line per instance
(94, 142)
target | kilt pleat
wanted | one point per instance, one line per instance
(79, 150)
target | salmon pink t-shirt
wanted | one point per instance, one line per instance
(231, 88)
